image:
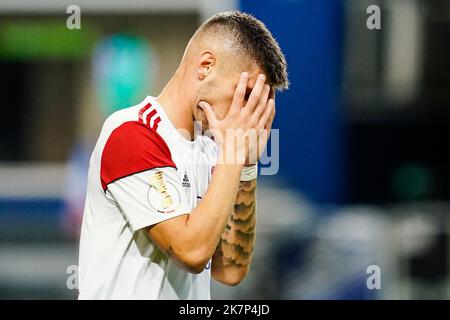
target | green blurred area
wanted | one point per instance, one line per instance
(45, 39)
(412, 182)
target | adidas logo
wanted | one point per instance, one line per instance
(186, 182)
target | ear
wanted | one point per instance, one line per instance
(206, 62)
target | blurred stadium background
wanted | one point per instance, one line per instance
(364, 175)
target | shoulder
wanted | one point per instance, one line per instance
(132, 147)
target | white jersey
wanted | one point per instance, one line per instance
(142, 171)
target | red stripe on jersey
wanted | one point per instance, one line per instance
(142, 110)
(155, 123)
(131, 148)
(149, 116)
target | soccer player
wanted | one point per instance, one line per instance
(167, 209)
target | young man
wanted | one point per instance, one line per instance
(166, 210)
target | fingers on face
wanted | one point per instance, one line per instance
(272, 116)
(262, 104)
(239, 94)
(209, 112)
(267, 113)
(256, 93)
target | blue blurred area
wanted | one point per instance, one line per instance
(15, 207)
(309, 115)
(28, 219)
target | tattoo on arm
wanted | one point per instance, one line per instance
(170, 251)
(237, 241)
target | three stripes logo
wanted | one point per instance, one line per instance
(186, 182)
(147, 115)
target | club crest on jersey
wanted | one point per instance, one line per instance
(163, 197)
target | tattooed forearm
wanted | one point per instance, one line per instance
(243, 212)
(237, 241)
(242, 240)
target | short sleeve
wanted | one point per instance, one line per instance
(150, 197)
(137, 171)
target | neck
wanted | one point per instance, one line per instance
(177, 102)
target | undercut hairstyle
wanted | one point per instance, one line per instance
(252, 38)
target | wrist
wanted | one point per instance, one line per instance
(230, 171)
(249, 172)
(231, 157)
